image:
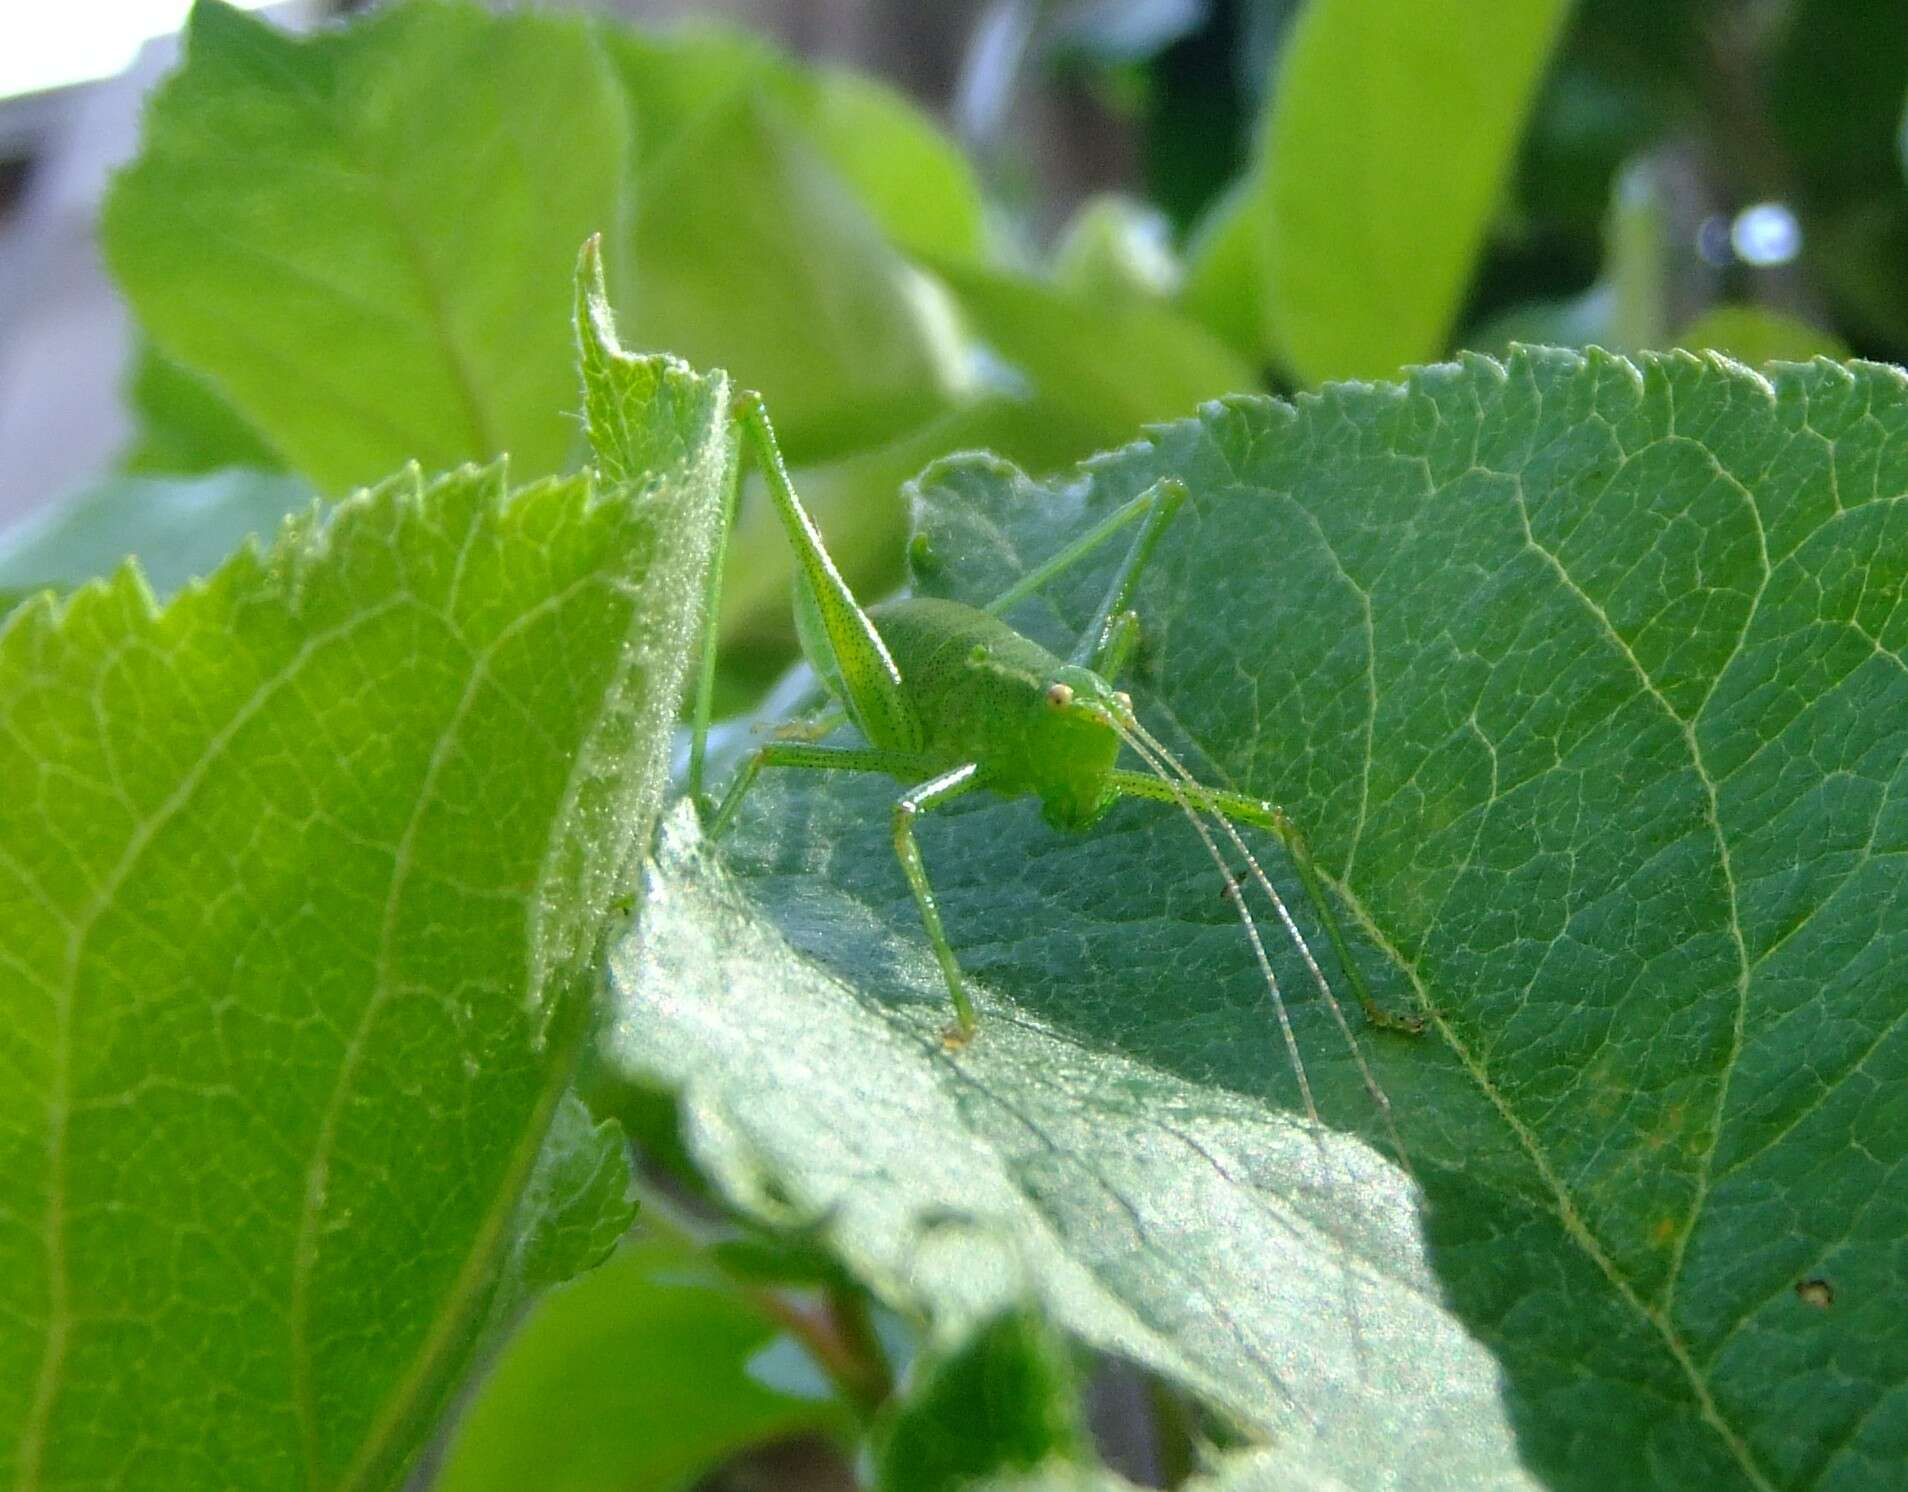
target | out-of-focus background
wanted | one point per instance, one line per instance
(73, 76)
(1751, 148)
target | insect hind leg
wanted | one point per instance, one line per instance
(909, 806)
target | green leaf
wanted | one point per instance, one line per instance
(1224, 289)
(752, 254)
(1109, 363)
(302, 896)
(1758, 334)
(363, 236)
(1004, 1399)
(1117, 248)
(575, 1207)
(177, 527)
(914, 180)
(185, 427)
(1392, 129)
(1587, 684)
(641, 1375)
(1161, 1218)
(900, 167)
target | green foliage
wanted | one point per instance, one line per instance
(304, 885)
(1582, 680)
(1754, 335)
(379, 291)
(1003, 1400)
(1109, 363)
(864, 363)
(363, 236)
(185, 427)
(898, 167)
(1389, 138)
(178, 527)
(1585, 683)
(638, 1375)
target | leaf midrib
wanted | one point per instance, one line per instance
(305, 1245)
(1574, 1225)
(324, 111)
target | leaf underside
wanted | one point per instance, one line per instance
(302, 883)
(1587, 683)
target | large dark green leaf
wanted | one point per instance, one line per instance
(303, 878)
(1589, 685)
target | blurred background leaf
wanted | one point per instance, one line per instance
(363, 239)
(1003, 1400)
(178, 527)
(641, 1374)
(1391, 131)
(1156, 204)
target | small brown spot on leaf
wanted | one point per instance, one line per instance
(1815, 1292)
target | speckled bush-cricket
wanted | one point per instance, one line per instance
(949, 699)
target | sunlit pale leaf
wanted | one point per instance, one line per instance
(303, 878)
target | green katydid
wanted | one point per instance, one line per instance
(949, 699)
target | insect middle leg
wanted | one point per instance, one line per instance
(815, 759)
(929, 795)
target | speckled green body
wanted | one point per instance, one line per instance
(979, 692)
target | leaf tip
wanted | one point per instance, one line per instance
(595, 324)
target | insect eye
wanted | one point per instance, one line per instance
(1059, 696)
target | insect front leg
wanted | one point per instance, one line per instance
(930, 795)
(1110, 637)
(1120, 640)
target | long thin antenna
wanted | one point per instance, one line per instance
(1377, 1093)
(1150, 750)
(1238, 897)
